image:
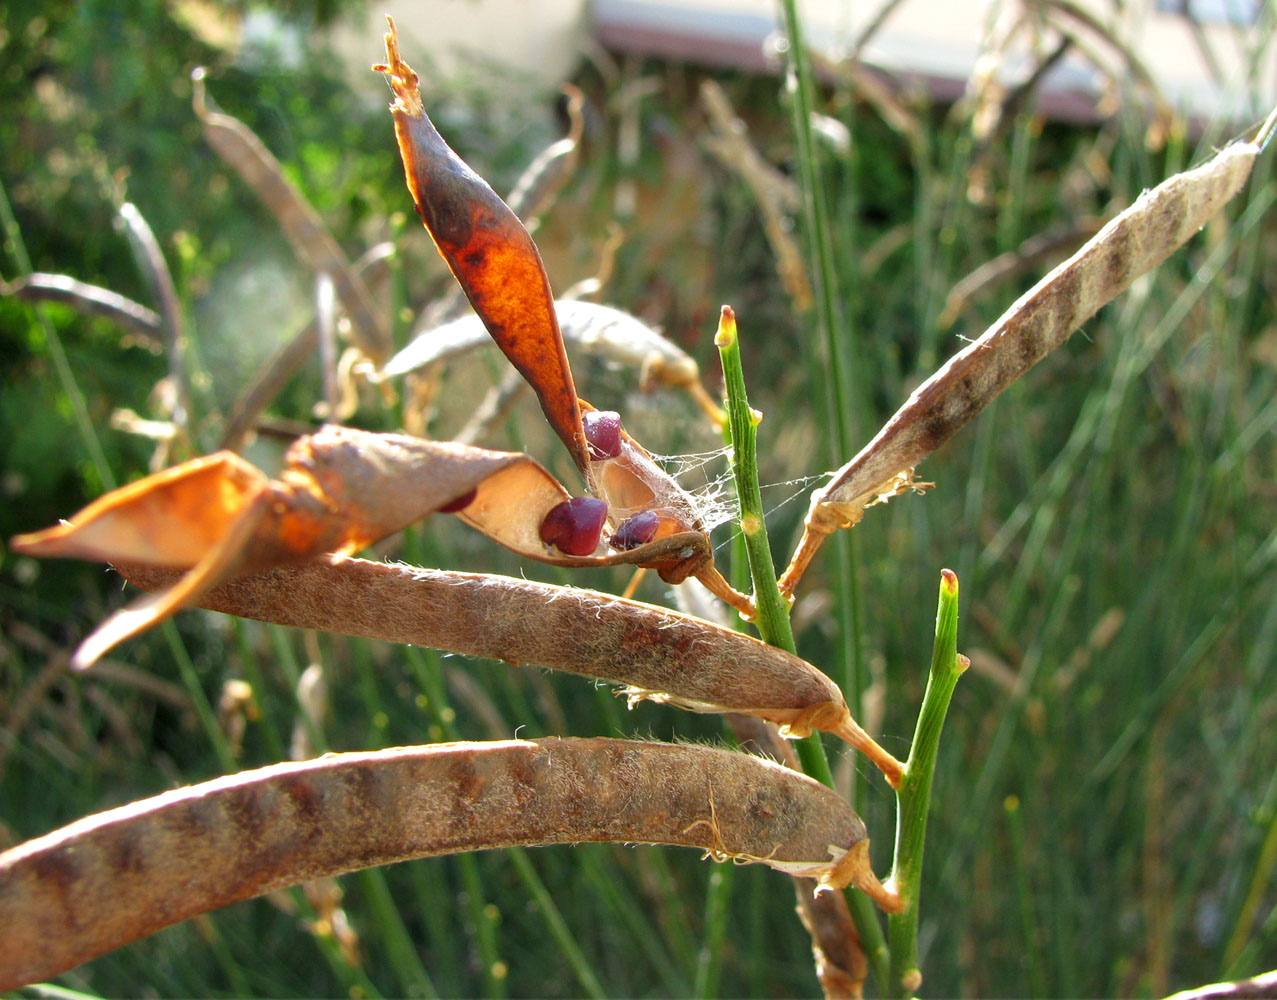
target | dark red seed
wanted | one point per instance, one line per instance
(460, 503)
(635, 531)
(575, 525)
(603, 432)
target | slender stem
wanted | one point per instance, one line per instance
(914, 793)
(773, 610)
(204, 711)
(424, 665)
(709, 960)
(828, 346)
(816, 223)
(555, 925)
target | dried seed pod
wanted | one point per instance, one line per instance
(343, 490)
(1135, 242)
(111, 878)
(632, 483)
(243, 151)
(656, 653)
(489, 252)
(143, 323)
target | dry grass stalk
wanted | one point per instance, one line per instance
(775, 194)
(111, 878)
(489, 252)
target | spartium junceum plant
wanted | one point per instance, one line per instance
(217, 533)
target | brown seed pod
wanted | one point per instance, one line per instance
(1135, 242)
(142, 323)
(342, 490)
(111, 878)
(314, 245)
(489, 251)
(656, 653)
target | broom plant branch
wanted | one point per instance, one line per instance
(914, 793)
(772, 609)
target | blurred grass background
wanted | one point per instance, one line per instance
(1105, 812)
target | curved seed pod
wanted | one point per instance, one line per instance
(533, 193)
(1133, 243)
(657, 653)
(144, 323)
(489, 252)
(125, 873)
(542, 180)
(151, 262)
(599, 330)
(343, 490)
(240, 148)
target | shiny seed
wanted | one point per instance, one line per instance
(603, 432)
(575, 525)
(635, 531)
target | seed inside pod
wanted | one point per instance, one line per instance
(575, 525)
(635, 531)
(459, 503)
(603, 432)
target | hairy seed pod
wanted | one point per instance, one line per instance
(125, 873)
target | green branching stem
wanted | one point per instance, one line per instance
(772, 617)
(832, 350)
(914, 793)
(772, 609)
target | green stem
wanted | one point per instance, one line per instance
(829, 348)
(424, 665)
(772, 609)
(819, 238)
(429, 676)
(709, 960)
(555, 925)
(914, 793)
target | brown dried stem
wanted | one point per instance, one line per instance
(92, 300)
